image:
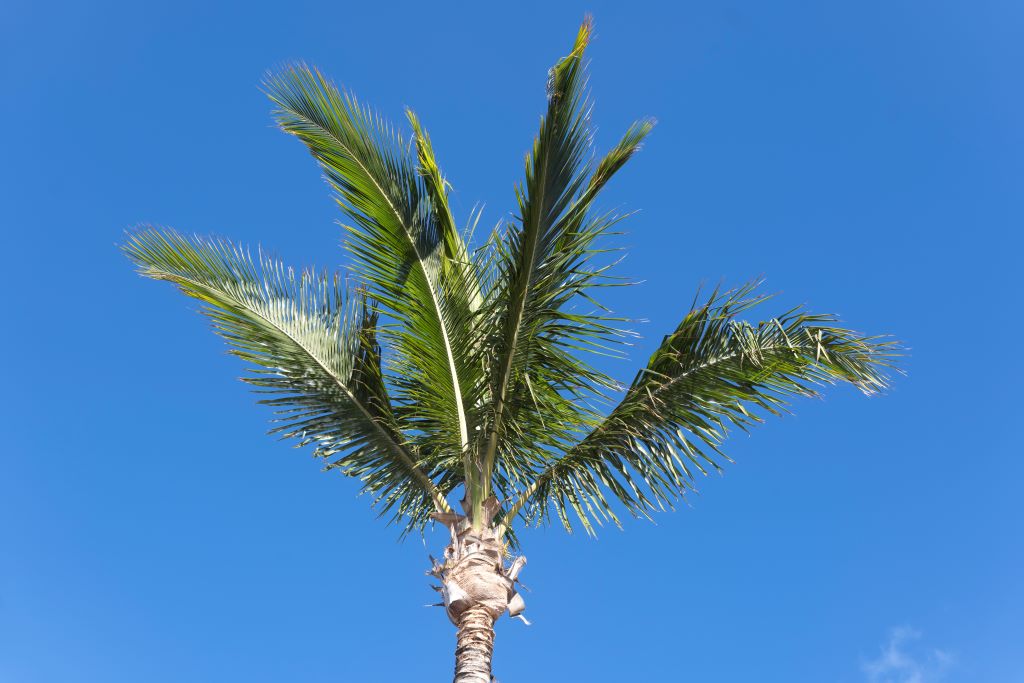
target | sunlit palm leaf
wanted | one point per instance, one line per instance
(457, 261)
(406, 249)
(545, 264)
(311, 347)
(713, 372)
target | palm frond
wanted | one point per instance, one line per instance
(714, 372)
(455, 249)
(405, 248)
(310, 347)
(539, 383)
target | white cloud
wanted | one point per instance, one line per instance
(903, 660)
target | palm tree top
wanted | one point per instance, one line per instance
(451, 371)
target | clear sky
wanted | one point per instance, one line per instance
(866, 157)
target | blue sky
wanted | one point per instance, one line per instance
(867, 158)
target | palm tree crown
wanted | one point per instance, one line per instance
(446, 371)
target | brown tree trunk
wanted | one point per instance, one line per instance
(475, 640)
(477, 588)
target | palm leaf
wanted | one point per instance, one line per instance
(715, 371)
(406, 250)
(457, 259)
(310, 347)
(540, 385)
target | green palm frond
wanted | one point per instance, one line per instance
(458, 261)
(713, 372)
(405, 248)
(310, 347)
(544, 263)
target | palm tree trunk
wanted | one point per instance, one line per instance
(475, 640)
(477, 588)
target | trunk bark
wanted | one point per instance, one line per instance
(475, 644)
(478, 588)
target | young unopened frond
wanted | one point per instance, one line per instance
(312, 350)
(713, 372)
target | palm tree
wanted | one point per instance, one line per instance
(442, 374)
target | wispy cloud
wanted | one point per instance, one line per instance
(903, 659)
